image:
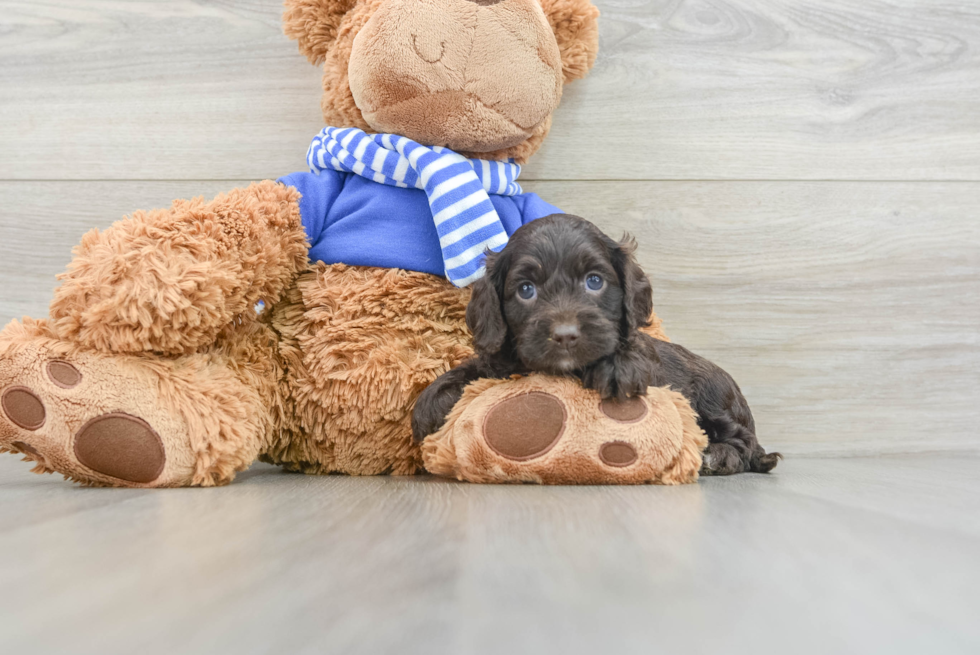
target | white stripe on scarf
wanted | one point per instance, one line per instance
(457, 189)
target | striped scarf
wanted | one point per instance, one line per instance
(457, 189)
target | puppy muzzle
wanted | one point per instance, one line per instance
(560, 343)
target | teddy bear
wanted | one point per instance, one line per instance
(295, 321)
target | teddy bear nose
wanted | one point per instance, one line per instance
(565, 334)
(486, 3)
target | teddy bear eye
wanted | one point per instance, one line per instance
(526, 291)
(593, 282)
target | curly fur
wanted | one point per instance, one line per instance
(359, 345)
(576, 27)
(170, 280)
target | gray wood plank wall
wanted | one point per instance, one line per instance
(803, 177)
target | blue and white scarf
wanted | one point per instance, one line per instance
(457, 189)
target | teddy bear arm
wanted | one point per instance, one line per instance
(169, 280)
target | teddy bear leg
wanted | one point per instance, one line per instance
(169, 280)
(137, 420)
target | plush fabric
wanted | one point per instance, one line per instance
(170, 280)
(322, 382)
(473, 78)
(214, 411)
(584, 440)
(458, 190)
(358, 346)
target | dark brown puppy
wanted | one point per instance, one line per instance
(565, 299)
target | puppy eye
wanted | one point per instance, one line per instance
(527, 291)
(593, 282)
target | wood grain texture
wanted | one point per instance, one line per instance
(736, 89)
(848, 312)
(824, 556)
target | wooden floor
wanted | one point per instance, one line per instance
(803, 177)
(804, 180)
(858, 555)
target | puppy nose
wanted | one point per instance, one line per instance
(565, 334)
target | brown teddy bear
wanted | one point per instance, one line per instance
(185, 343)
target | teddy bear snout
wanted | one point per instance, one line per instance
(429, 50)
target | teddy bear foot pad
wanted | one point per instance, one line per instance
(551, 431)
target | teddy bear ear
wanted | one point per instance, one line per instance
(576, 26)
(313, 24)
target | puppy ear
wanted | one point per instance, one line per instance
(637, 292)
(313, 24)
(484, 315)
(576, 27)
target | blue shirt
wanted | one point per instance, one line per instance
(352, 220)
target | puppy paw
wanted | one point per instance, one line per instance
(624, 374)
(433, 406)
(727, 459)
(722, 459)
(763, 462)
(426, 420)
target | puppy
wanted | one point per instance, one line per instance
(563, 298)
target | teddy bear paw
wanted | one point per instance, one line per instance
(552, 431)
(88, 416)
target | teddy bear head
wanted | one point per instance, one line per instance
(481, 77)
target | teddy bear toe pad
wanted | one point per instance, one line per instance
(63, 374)
(617, 453)
(526, 426)
(121, 446)
(24, 408)
(630, 410)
